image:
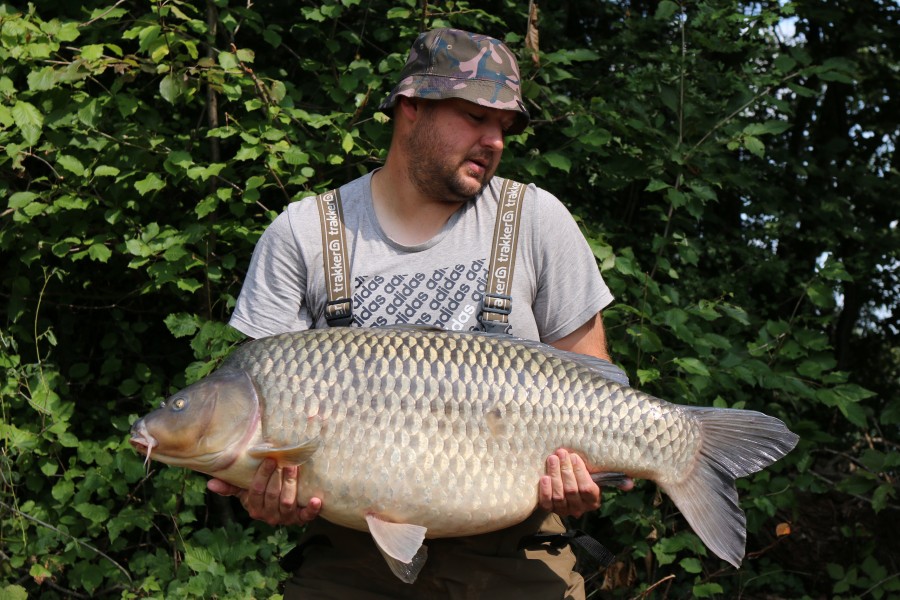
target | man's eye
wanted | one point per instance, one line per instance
(476, 118)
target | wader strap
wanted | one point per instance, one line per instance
(497, 302)
(576, 537)
(339, 307)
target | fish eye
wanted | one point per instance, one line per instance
(179, 404)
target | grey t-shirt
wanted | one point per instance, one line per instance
(557, 286)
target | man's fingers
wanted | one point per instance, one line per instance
(588, 490)
(222, 488)
(571, 501)
(255, 498)
(567, 472)
(311, 510)
(586, 486)
(545, 492)
(260, 481)
(288, 499)
(273, 488)
(557, 494)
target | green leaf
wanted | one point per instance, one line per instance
(665, 10)
(188, 284)
(29, 120)
(392, 13)
(170, 88)
(692, 366)
(63, 490)
(182, 324)
(151, 183)
(89, 113)
(655, 185)
(768, 127)
(295, 157)
(691, 565)
(21, 199)
(71, 164)
(6, 118)
(754, 145)
(245, 55)
(707, 590)
(784, 63)
(43, 79)
(49, 468)
(882, 496)
(93, 512)
(18, 438)
(820, 294)
(39, 572)
(206, 206)
(13, 592)
(249, 152)
(106, 171)
(558, 161)
(278, 91)
(227, 60)
(92, 52)
(645, 376)
(199, 559)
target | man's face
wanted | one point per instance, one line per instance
(454, 148)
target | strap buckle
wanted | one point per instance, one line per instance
(339, 313)
(495, 310)
(498, 304)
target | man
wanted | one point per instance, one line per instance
(419, 232)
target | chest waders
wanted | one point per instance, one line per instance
(496, 306)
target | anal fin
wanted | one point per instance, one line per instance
(401, 545)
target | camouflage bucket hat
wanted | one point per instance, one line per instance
(450, 63)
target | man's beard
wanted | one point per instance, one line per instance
(433, 174)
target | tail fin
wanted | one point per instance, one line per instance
(734, 443)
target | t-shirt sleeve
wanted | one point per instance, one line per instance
(570, 289)
(272, 298)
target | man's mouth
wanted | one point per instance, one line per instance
(478, 164)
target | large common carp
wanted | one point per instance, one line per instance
(414, 433)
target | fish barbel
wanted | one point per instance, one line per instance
(413, 433)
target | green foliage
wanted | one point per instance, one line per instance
(735, 187)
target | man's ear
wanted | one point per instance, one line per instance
(409, 107)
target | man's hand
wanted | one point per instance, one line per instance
(567, 489)
(272, 496)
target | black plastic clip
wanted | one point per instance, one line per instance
(339, 313)
(498, 304)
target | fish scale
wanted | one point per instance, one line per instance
(411, 433)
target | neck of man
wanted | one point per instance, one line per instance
(405, 214)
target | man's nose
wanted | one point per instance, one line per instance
(493, 137)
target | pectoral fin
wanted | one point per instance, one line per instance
(286, 455)
(401, 545)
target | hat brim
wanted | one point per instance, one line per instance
(484, 92)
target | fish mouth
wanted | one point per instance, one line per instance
(141, 440)
(142, 446)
